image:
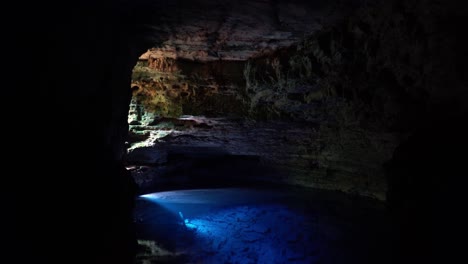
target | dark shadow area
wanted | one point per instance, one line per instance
(424, 191)
(160, 224)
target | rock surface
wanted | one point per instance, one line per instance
(240, 30)
(341, 77)
(203, 152)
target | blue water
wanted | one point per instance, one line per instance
(252, 226)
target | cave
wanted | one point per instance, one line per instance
(250, 131)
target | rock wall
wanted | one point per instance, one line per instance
(197, 55)
(365, 78)
(176, 87)
(292, 81)
(234, 31)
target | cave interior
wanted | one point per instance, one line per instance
(249, 131)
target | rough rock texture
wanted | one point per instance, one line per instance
(196, 63)
(199, 151)
(197, 57)
(184, 87)
(298, 81)
(362, 95)
(226, 30)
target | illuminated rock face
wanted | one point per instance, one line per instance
(205, 152)
(196, 59)
(187, 87)
(197, 53)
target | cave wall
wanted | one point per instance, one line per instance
(165, 87)
(197, 55)
(400, 65)
(383, 72)
(364, 75)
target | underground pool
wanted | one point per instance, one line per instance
(244, 225)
